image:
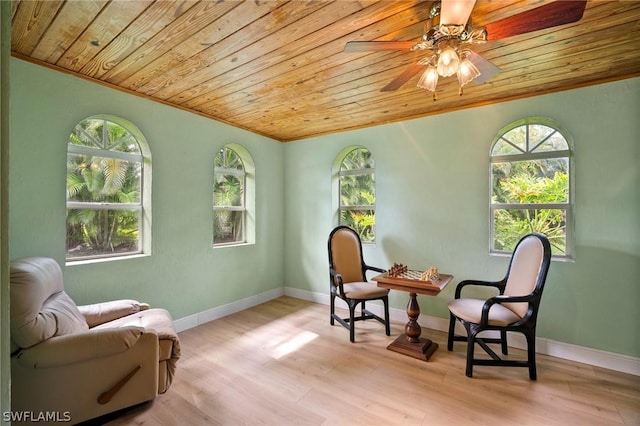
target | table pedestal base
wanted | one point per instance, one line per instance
(420, 350)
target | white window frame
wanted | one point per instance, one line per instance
(338, 173)
(528, 155)
(143, 207)
(248, 197)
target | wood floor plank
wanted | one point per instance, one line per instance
(281, 363)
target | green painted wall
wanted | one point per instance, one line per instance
(432, 208)
(184, 274)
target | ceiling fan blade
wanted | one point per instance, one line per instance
(486, 68)
(397, 82)
(368, 46)
(456, 12)
(546, 16)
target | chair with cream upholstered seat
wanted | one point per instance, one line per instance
(348, 280)
(514, 309)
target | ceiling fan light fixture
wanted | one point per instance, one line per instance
(448, 61)
(429, 79)
(467, 71)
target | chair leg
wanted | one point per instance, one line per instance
(352, 328)
(452, 327)
(531, 355)
(332, 304)
(503, 343)
(387, 326)
(471, 341)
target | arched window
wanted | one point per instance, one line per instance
(233, 196)
(108, 189)
(357, 192)
(531, 185)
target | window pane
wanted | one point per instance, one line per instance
(358, 159)
(509, 225)
(228, 226)
(362, 221)
(531, 182)
(228, 159)
(358, 190)
(554, 143)
(103, 134)
(504, 148)
(517, 137)
(538, 133)
(228, 190)
(228, 197)
(95, 232)
(102, 179)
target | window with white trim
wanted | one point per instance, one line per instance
(106, 176)
(531, 168)
(357, 199)
(229, 197)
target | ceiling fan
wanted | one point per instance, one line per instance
(448, 35)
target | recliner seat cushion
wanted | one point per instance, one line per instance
(159, 320)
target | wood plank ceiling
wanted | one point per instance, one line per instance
(277, 68)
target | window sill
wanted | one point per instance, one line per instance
(104, 259)
(229, 245)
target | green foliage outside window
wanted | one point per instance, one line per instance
(530, 187)
(103, 192)
(228, 197)
(357, 193)
(511, 224)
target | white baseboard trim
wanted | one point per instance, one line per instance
(194, 320)
(596, 357)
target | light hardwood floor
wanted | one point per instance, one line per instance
(281, 363)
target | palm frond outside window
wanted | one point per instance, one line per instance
(104, 190)
(358, 193)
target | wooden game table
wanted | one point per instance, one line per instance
(410, 343)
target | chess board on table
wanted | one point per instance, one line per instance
(410, 280)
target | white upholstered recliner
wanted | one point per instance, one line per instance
(79, 362)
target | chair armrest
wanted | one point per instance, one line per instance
(99, 313)
(498, 300)
(374, 268)
(336, 277)
(497, 284)
(73, 348)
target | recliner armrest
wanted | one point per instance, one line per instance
(73, 348)
(100, 313)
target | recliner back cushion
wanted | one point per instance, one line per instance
(40, 309)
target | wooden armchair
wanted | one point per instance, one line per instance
(348, 281)
(515, 308)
